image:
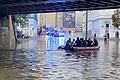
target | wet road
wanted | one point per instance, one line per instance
(39, 59)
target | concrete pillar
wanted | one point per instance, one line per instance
(11, 34)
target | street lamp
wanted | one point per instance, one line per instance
(86, 23)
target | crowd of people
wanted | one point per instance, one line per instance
(81, 42)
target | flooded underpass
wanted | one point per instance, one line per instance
(39, 59)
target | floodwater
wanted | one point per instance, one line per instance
(39, 59)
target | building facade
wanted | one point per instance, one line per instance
(69, 21)
(99, 22)
(32, 24)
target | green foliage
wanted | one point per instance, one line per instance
(116, 18)
(21, 19)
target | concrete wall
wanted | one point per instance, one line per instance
(7, 39)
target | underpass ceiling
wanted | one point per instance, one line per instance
(34, 6)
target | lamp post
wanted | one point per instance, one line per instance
(56, 19)
(86, 23)
(45, 19)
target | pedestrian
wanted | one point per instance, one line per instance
(105, 38)
(108, 36)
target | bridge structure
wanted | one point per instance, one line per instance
(9, 7)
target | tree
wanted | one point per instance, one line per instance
(116, 19)
(20, 19)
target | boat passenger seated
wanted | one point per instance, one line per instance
(68, 44)
(84, 43)
(90, 43)
(77, 42)
(81, 42)
(73, 42)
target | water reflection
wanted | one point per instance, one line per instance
(85, 54)
(57, 42)
(116, 47)
(43, 61)
(54, 42)
(61, 41)
(31, 44)
(115, 54)
(49, 42)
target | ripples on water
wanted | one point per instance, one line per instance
(39, 62)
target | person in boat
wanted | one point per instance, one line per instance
(81, 42)
(90, 43)
(95, 41)
(77, 42)
(73, 42)
(71, 48)
(68, 44)
(84, 42)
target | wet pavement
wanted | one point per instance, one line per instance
(39, 59)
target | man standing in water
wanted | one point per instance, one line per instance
(95, 40)
(40, 31)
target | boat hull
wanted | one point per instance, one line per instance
(81, 48)
(86, 48)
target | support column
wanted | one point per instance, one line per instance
(12, 41)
